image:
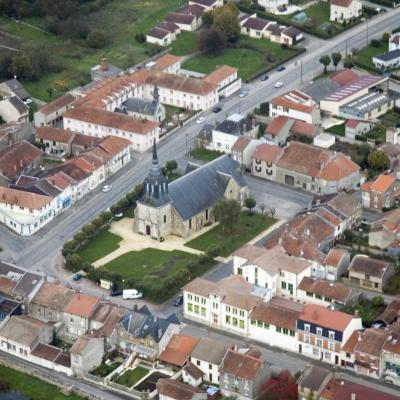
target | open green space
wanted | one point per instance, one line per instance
(122, 19)
(249, 226)
(390, 119)
(251, 56)
(337, 129)
(132, 376)
(363, 57)
(102, 244)
(31, 387)
(185, 44)
(103, 370)
(204, 154)
(378, 134)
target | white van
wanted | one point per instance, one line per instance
(131, 294)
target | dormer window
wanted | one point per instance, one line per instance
(307, 327)
(319, 331)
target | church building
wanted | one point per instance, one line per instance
(185, 206)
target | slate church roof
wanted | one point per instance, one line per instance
(203, 186)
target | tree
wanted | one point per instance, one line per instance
(96, 39)
(385, 37)
(250, 203)
(378, 301)
(226, 20)
(208, 19)
(227, 212)
(140, 37)
(348, 63)
(336, 58)
(262, 208)
(89, 230)
(171, 166)
(21, 67)
(282, 387)
(73, 262)
(325, 61)
(211, 41)
(378, 160)
(375, 43)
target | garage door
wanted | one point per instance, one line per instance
(289, 180)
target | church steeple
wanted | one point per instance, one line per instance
(156, 95)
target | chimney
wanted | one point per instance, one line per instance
(104, 64)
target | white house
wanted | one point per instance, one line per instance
(159, 36)
(389, 60)
(345, 10)
(13, 109)
(394, 42)
(51, 113)
(208, 4)
(226, 79)
(274, 6)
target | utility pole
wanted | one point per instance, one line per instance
(301, 71)
(345, 53)
(367, 33)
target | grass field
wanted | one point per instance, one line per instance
(363, 57)
(337, 129)
(31, 387)
(101, 245)
(185, 44)
(249, 227)
(132, 376)
(251, 56)
(205, 155)
(126, 17)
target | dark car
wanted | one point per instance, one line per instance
(281, 68)
(178, 301)
(116, 292)
(77, 277)
(264, 78)
(216, 109)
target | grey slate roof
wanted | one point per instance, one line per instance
(236, 128)
(40, 186)
(321, 88)
(389, 56)
(203, 186)
(142, 323)
(210, 350)
(17, 88)
(206, 132)
(314, 377)
(26, 284)
(140, 106)
(18, 104)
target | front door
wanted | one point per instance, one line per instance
(300, 348)
(336, 359)
(148, 230)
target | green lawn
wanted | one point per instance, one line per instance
(378, 134)
(249, 227)
(126, 17)
(173, 176)
(185, 44)
(337, 129)
(390, 119)
(205, 155)
(31, 387)
(101, 245)
(363, 57)
(251, 57)
(132, 376)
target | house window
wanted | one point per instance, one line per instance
(319, 342)
(241, 324)
(234, 321)
(253, 322)
(307, 327)
(240, 271)
(190, 307)
(278, 329)
(227, 319)
(196, 309)
(283, 285)
(319, 331)
(203, 311)
(227, 309)
(165, 219)
(331, 335)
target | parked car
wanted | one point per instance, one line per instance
(278, 85)
(200, 120)
(264, 78)
(178, 301)
(77, 277)
(106, 188)
(281, 68)
(243, 94)
(131, 294)
(216, 109)
(116, 292)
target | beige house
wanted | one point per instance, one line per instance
(51, 113)
(370, 273)
(185, 206)
(13, 109)
(344, 11)
(264, 160)
(86, 354)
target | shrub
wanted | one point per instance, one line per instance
(214, 251)
(375, 43)
(96, 39)
(69, 247)
(140, 37)
(73, 262)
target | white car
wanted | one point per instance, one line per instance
(106, 188)
(131, 294)
(243, 94)
(200, 120)
(278, 85)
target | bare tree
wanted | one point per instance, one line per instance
(272, 211)
(262, 208)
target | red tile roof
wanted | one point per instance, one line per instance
(173, 389)
(341, 3)
(343, 76)
(241, 143)
(303, 128)
(334, 257)
(56, 104)
(166, 61)
(178, 349)
(218, 75)
(383, 183)
(23, 199)
(81, 305)
(56, 134)
(276, 125)
(268, 152)
(334, 290)
(241, 365)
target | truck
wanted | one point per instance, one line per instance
(131, 294)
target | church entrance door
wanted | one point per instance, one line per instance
(148, 230)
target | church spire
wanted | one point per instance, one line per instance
(155, 169)
(156, 95)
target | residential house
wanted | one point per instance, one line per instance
(380, 193)
(186, 22)
(171, 389)
(207, 356)
(162, 37)
(315, 169)
(192, 375)
(78, 313)
(13, 87)
(336, 263)
(255, 27)
(274, 6)
(242, 151)
(385, 232)
(272, 269)
(311, 382)
(387, 61)
(178, 350)
(274, 323)
(14, 132)
(226, 79)
(51, 357)
(291, 36)
(370, 273)
(144, 333)
(86, 354)
(345, 11)
(389, 316)
(322, 332)
(297, 105)
(356, 127)
(390, 357)
(184, 206)
(208, 4)
(323, 292)
(226, 133)
(393, 153)
(51, 113)
(394, 41)
(367, 352)
(19, 158)
(243, 374)
(104, 70)
(13, 109)
(265, 158)
(50, 302)
(54, 140)
(278, 130)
